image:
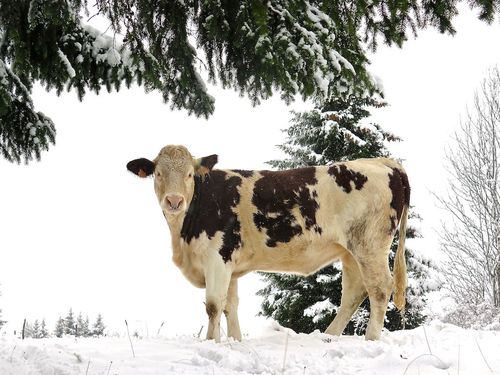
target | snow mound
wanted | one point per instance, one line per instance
(437, 348)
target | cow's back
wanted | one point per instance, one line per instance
(295, 217)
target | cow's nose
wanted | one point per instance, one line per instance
(174, 201)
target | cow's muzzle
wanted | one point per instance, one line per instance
(174, 203)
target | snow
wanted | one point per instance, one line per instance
(317, 16)
(5, 72)
(326, 278)
(270, 350)
(321, 81)
(104, 48)
(113, 57)
(292, 50)
(64, 59)
(320, 309)
(370, 127)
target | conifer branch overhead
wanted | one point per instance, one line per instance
(290, 47)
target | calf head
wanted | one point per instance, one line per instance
(174, 171)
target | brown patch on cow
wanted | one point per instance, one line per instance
(394, 223)
(243, 172)
(380, 295)
(276, 194)
(400, 189)
(211, 211)
(211, 309)
(344, 176)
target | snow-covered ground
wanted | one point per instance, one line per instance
(272, 350)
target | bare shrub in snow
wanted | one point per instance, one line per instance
(482, 316)
(471, 238)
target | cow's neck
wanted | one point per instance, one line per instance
(181, 225)
(175, 225)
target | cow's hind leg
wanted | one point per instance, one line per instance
(217, 278)
(231, 311)
(378, 281)
(353, 293)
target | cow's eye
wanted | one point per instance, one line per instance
(190, 175)
(158, 174)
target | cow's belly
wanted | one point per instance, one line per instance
(315, 258)
(297, 257)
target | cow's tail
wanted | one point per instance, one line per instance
(400, 277)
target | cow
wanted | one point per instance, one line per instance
(227, 223)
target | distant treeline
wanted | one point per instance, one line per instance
(79, 327)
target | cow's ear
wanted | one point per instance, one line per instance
(141, 167)
(205, 164)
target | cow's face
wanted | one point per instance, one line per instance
(174, 171)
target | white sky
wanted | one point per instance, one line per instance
(77, 230)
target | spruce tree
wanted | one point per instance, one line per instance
(99, 327)
(339, 132)
(35, 330)
(44, 333)
(312, 48)
(28, 330)
(83, 326)
(60, 328)
(69, 324)
(86, 324)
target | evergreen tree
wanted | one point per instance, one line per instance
(88, 331)
(60, 327)
(78, 325)
(28, 330)
(312, 48)
(83, 326)
(337, 133)
(44, 333)
(99, 327)
(69, 324)
(86, 324)
(35, 330)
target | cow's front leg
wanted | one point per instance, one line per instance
(231, 311)
(217, 278)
